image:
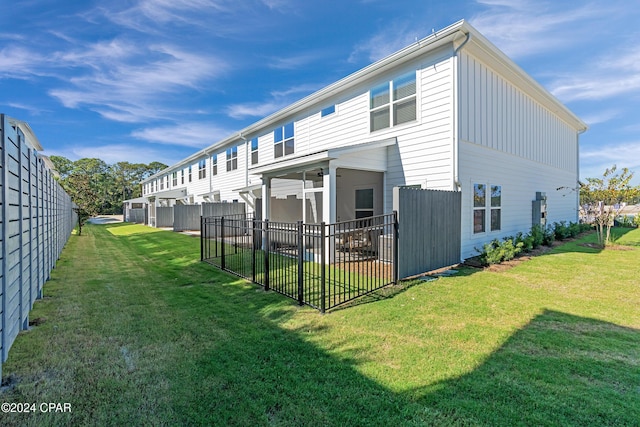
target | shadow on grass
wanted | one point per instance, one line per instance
(204, 348)
(558, 370)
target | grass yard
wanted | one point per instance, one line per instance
(134, 330)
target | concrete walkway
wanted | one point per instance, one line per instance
(105, 219)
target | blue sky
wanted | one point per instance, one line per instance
(145, 80)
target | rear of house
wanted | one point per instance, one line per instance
(450, 112)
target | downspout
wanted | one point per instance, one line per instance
(456, 114)
(246, 159)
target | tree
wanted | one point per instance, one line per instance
(603, 198)
(111, 184)
(78, 187)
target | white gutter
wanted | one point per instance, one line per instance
(456, 114)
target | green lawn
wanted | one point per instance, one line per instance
(134, 330)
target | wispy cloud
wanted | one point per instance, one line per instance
(393, 38)
(525, 27)
(595, 160)
(129, 84)
(279, 100)
(601, 116)
(605, 77)
(186, 134)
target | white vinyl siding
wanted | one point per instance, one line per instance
(496, 114)
(519, 180)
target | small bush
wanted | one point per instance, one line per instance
(636, 220)
(548, 236)
(560, 230)
(537, 234)
(497, 251)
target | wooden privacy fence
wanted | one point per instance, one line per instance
(37, 220)
(321, 265)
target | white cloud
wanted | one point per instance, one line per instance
(131, 84)
(594, 161)
(279, 100)
(605, 77)
(526, 27)
(186, 134)
(393, 38)
(601, 116)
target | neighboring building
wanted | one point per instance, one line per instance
(450, 112)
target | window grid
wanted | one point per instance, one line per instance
(232, 158)
(283, 140)
(386, 109)
(254, 151)
(202, 169)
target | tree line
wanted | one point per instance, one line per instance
(100, 188)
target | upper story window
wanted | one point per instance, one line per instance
(214, 164)
(202, 169)
(328, 111)
(182, 176)
(190, 174)
(162, 183)
(232, 158)
(393, 102)
(283, 140)
(254, 151)
(174, 179)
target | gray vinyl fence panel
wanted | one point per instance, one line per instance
(186, 217)
(222, 209)
(37, 220)
(137, 215)
(164, 217)
(429, 229)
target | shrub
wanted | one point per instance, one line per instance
(548, 236)
(537, 234)
(560, 230)
(497, 251)
(526, 240)
(636, 220)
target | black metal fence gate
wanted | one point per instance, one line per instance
(321, 265)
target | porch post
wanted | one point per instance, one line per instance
(329, 209)
(266, 207)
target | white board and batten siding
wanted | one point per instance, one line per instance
(509, 139)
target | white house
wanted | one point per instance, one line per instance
(450, 112)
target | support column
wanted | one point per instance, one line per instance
(266, 209)
(329, 211)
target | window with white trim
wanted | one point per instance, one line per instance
(214, 165)
(328, 111)
(393, 103)
(496, 207)
(182, 176)
(487, 205)
(479, 208)
(190, 174)
(254, 151)
(232, 158)
(283, 140)
(174, 179)
(202, 169)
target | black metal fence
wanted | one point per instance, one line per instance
(321, 265)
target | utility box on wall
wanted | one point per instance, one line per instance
(539, 210)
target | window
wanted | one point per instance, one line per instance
(162, 183)
(202, 169)
(397, 109)
(328, 111)
(283, 140)
(189, 173)
(174, 179)
(479, 207)
(254, 151)
(232, 158)
(496, 207)
(182, 176)
(214, 164)
(480, 202)
(364, 203)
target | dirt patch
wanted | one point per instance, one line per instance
(8, 383)
(37, 321)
